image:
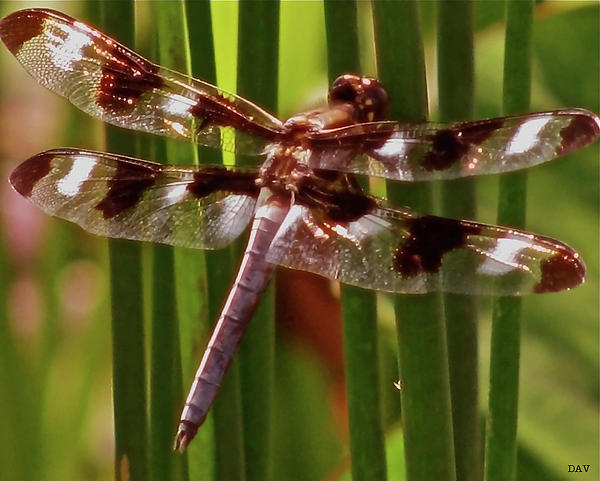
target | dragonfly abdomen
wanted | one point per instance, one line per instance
(252, 279)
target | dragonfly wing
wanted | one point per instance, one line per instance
(110, 82)
(398, 251)
(429, 151)
(117, 196)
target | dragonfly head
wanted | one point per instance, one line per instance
(366, 95)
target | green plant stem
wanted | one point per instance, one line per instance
(17, 395)
(341, 26)
(425, 395)
(257, 76)
(229, 460)
(189, 279)
(359, 312)
(401, 69)
(165, 370)
(165, 365)
(367, 442)
(129, 376)
(456, 99)
(501, 430)
(129, 369)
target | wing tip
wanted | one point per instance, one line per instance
(27, 174)
(21, 26)
(563, 271)
(583, 129)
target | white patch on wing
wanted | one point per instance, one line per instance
(527, 135)
(70, 184)
(177, 127)
(344, 232)
(66, 48)
(368, 225)
(394, 149)
(503, 258)
(287, 231)
(291, 219)
(177, 105)
(176, 193)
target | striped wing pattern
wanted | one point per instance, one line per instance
(431, 151)
(398, 251)
(313, 214)
(110, 82)
(339, 233)
(117, 196)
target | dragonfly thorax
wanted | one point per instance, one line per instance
(284, 168)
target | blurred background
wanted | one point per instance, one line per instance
(55, 372)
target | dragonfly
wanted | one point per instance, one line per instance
(303, 199)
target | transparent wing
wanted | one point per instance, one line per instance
(117, 196)
(429, 151)
(108, 81)
(398, 251)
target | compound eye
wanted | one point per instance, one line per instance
(375, 100)
(345, 89)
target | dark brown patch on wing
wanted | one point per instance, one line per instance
(362, 138)
(449, 145)
(27, 174)
(446, 149)
(478, 132)
(222, 112)
(208, 181)
(348, 207)
(19, 27)
(342, 202)
(429, 239)
(328, 175)
(125, 79)
(582, 130)
(564, 270)
(125, 189)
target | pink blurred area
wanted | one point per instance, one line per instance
(24, 113)
(33, 119)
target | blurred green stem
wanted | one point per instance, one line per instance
(182, 274)
(129, 367)
(359, 312)
(257, 76)
(501, 430)
(456, 100)
(425, 396)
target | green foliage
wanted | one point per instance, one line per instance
(127, 316)
(359, 311)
